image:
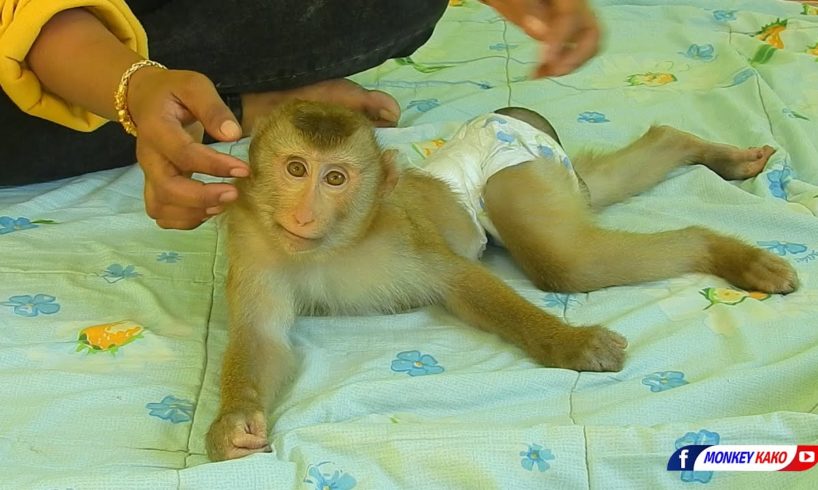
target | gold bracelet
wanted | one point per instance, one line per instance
(121, 95)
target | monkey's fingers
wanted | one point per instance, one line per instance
(254, 442)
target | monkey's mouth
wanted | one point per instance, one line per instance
(300, 241)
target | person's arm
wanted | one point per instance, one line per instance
(79, 60)
(21, 24)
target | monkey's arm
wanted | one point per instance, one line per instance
(257, 363)
(480, 298)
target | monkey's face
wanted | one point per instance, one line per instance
(317, 174)
(316, 200)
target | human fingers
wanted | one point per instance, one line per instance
(565, 20)
(176, 217)
(513, 10)
(166, 190)
(182, 191)
(169, 139)
(166, 105)
(584, 46)
(198, 95)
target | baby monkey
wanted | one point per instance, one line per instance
(327, 224)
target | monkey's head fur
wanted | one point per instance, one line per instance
(317, 177)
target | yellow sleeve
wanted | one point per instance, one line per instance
(20, 24)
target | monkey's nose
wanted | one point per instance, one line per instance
(303, 220)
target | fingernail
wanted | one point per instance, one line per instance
(388, 115)
(230, 129)
(535, 26)
(239, 172)
(228, 196)
(214, 210)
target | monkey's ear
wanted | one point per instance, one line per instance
(390, 172)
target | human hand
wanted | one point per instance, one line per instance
(567, 30)
(170, 109)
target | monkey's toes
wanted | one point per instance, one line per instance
(767, 273)
(592, 349)
(741, 164)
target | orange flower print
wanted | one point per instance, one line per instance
(730, 296)
(108, 337)
(771, 33)
(651, 79)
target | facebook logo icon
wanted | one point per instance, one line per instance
(684, 458)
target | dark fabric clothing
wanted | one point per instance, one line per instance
(242, 46)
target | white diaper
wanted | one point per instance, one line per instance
(481, 148)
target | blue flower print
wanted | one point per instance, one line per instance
(793, 115)
(423, 105)
(505, 137)
(26, 305)
(592, 117)
(536, 455)
(337, 480)
(9, 224)
(703, 437)
(664, 380)
(778, 180)
(169, 257)
(559, 300)
(115, 273)
(702, 52)
(545, 151)
(783, 248)
(173, 409)
(566, 162)
(415, 364)
(743, 76)
(724, 15)
(502, 46)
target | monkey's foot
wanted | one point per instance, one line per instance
(592, 348)
(733, 163)
(753, 269)
(237, 434)
(378, 106)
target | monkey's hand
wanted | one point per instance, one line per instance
(237, 433)
(581, 349)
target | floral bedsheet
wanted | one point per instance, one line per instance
(112, 330)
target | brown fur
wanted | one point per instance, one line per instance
(382, 244)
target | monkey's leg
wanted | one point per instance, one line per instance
(642, 164)
(549, 230)
(257, 363)
(480, 298)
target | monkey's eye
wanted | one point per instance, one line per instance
(296, 168)
(335, 178)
